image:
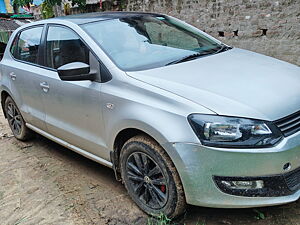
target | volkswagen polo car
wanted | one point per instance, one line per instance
(181, 117)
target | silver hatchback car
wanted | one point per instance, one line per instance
(180, 117)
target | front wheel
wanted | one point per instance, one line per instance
(151, 178)
(16, 121)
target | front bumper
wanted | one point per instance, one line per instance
(197, 166)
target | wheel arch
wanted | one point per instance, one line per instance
(4, 95)
(121, 138)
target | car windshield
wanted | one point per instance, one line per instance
(148, 41)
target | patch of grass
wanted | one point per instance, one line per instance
(162, 220)
(20, 221)
(259, 215)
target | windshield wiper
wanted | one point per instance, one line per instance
(199, 54)
(188, 58)
(223, 48)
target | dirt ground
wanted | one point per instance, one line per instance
(44, 183)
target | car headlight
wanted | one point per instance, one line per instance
(234, 132)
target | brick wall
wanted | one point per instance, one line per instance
(264, 26)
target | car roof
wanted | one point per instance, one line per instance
(98, 16)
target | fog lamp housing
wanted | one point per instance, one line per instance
(262, 186)
(243, 184)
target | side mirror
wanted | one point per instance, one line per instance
(75, 71)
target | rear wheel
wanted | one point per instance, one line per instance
(151, 178)
(16, 121)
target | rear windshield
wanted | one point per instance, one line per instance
(146, 41)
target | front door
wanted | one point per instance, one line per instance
(73, 108)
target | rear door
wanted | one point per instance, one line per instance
(73, 108)
(23, 67)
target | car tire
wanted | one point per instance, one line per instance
(16, 121)
(151, 178)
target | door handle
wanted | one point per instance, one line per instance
(13, 76)
(45, 86)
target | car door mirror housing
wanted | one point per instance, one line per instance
(75, 71)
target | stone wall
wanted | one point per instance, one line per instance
(264, 26)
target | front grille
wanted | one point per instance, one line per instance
(292, 179)
(290, 124)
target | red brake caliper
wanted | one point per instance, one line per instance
(162, 187)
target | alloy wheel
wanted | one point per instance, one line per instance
(14, 119)
(147, 180)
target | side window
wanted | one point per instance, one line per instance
(64, 46)
(26, 47)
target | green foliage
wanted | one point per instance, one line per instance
(47, 4)
(53, 2)
(259, 215)
(122, 4)
(21, 3)
(160, 220)
(47, 10)
(20, 221)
